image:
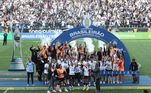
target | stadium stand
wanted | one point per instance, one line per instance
(68, 13)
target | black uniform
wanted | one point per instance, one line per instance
(34, 54)
(134, 67)
(5, 39)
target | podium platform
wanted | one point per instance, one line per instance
(19, 83)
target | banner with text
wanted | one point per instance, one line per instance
(53, 35)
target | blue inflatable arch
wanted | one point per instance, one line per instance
(93, 32)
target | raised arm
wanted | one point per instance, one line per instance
(31, 48)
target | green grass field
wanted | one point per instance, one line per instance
(139, 49)
(79, 91)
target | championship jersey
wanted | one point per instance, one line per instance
(59, 61)
(92, 64)
(46, 67)
(108, 65)
(102, 65)
(86, 71)
(60, 73)
(85, 63)
(71, 70)
(78, 69)
(30, 67)
(115, 66)
(121, 65)
(64, 65)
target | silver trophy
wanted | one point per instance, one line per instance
(17, 58)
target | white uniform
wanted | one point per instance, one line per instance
(86, 71)
(71, 70)
(46, 67)
(102, 66)
(108, 65)
(59, 61)
(49, 59)
(64, 65)
(115, 66)
(85, 63)
(92, 64)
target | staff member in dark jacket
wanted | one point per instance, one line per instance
(5, 39)
(97, 77)
(34, 53)
(134, 67)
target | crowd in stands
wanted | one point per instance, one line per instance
(69, 13)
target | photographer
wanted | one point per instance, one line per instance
(134, 67)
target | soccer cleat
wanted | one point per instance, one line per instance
(70, 88)
(113, 82)
(84, 88)
(65, 90)
(87, 88)
(60, 90)
(89, 84)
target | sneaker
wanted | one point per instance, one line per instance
(65, 90)
(54, 91)
(89, 84)
(48, 91)
(113, 82)
(70, 88)
(84, 88)
(27, 85)
(60, 90)
(78, 84)
(87, 88)
(120, 82)
(103, 82)
(94, 84)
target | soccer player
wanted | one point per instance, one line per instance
(71, 75)
(86, 77)
(121, 69)
(78, 73)
(46, 67)
(109, 70)
(61, 77)
(52, 78)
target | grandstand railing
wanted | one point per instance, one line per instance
(38, 26)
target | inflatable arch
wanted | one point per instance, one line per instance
(93, 32)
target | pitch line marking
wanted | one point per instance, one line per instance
(6, 91)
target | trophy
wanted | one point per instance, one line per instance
(17, 58)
